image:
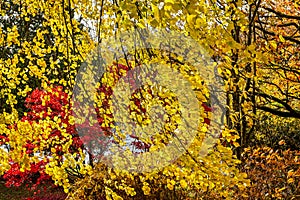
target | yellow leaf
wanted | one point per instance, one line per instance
(141, 25)
(219, 70)
(281, 189)
(183, 183)
(190, 19)
(146, 189)
(236, 144)
(273, 44)
(290, 180)
(281, 38)
(170, 186)
(290, 173)
(281, 142)
(199, 22)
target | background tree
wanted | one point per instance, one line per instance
(260, 66)
(36, 55)
(57, 47)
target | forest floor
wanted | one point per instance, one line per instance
(22, 193)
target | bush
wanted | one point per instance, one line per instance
(274, 174)
(271, 129)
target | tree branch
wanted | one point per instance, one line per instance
(279, 14)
